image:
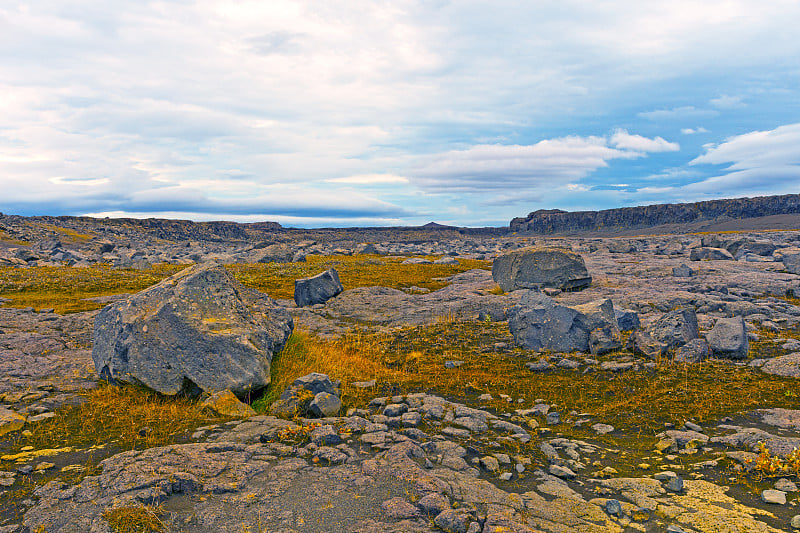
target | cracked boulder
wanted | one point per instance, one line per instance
(540, 323)
(198, 329)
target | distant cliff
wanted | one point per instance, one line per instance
(557, 221)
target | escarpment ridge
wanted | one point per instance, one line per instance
(549, 221)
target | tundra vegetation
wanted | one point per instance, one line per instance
(404, 360)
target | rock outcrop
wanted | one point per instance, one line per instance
(556, 220)
(198, 328)
(540, 267)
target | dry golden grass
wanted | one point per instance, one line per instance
(136, 519)
(66, 234)
(277, 279)
(126, 417)
(5, 237)
(413, 360)
(65, 288)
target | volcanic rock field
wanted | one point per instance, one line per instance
(656, 390)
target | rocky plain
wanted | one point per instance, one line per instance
(487, 459)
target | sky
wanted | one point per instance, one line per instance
(372, 113)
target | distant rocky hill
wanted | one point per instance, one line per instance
(552, 221)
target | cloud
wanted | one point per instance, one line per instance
(727, 102)
(757, 149)
(678, 113)
(692, 131)
(758, 162)
(564, 160)
(296, 98)
(369, 179)
(623, 140)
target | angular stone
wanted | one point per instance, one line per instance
(197, 329)
(433, 503)
(539, 323)
(317, 289)
(540, 267)
(325, 436)
(683, 271)
(10, 421)
(784, 365)
(314, 383)
(728, 338)
(694, 351)
(226, 403)
(325, 404)
(644, 343)
(708, 254)
(675, 327)
(627, 320)
(775, 497)
(791, 263)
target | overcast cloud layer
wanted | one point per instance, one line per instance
(375, 113)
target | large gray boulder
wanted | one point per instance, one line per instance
(317, 289)
(539, 323)
(675, 328)
(540, 267)
(197, 329)
(728, 338)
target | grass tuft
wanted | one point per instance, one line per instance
(126, 417)
(136, 519)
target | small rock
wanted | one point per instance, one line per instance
(602, 429)
(433, 503)
(226, 403)
(785, 485)
(325, 404)
(325, 435)
(490, 463)
(452, 521)
(553, 418)
(795, 523)
(562, 472)
(399, 509)
(613, 508)
(453, 364)
(395, 409)
(675, 484)
(777, 497)
(10, 421)
(683, 271)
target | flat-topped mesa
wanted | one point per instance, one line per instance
(547, 221)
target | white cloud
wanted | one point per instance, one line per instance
(677, 113)
(727, 102)
(692, 131)
(547, 163)
(624, 140)
(757, 163)
(369, 179)
(757, 149)
(107, 100)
